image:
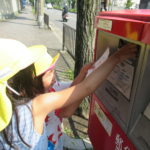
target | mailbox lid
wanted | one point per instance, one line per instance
(133, 24)
(124, 27)
(136, 14)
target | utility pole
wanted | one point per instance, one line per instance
(40, 13)
(34, 4)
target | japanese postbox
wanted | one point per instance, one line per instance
(120, 107)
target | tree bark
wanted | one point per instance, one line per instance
(144, 4)
(85, 32)
(85, 39)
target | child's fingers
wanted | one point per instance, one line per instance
(128, 51)
(129, 48)
(87, 66)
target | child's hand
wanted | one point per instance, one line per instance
(48, 79)
(82, 74)
(85, 69)
(125, 52)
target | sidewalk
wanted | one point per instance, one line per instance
(24, 29)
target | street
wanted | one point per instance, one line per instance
(55, 17)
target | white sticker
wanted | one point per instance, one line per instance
(105, 24)
(103, 119)
(121, 77)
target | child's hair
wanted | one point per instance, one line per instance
(28, 86)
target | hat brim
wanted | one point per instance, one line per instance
(5, 108)
(35, 52)
(29, 56)
(53, 64)
(45, 63)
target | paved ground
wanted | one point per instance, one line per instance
(24, 28)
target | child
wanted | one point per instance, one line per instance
(25, 127)
(44, 68)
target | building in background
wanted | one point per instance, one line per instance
(9, 8)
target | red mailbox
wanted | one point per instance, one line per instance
(118, 105)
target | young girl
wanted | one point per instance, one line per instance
(45, 72)
(26, 129)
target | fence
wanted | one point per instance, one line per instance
(69, 39)
(46, 19)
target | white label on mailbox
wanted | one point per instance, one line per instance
(105, 122)
(105, 24)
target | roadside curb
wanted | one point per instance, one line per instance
(58, 33)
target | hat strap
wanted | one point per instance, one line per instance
(11, 89)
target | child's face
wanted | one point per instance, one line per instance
(48, 79)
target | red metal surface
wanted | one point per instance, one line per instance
(146, 34)
(127, 28)
(134, 25)
(98, 135)
(137, 14)
(95, 47)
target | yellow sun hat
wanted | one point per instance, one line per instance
(45, 63)
(14, 56)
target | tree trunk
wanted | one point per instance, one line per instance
(85, 32)
(85, 39)
(144, 4)
(73, 4)
(40, 13)
(21, 4)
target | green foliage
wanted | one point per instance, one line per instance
(69, 74)
(57, 7)
(58, 4)
(32, 2)
(73, 10)
(60, 8)
(33, 10)
(54, 2)
(48, 1)
(68, 131)
(129, 4)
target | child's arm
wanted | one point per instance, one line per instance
(82, 74)
(45, 103)
(69, 110)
